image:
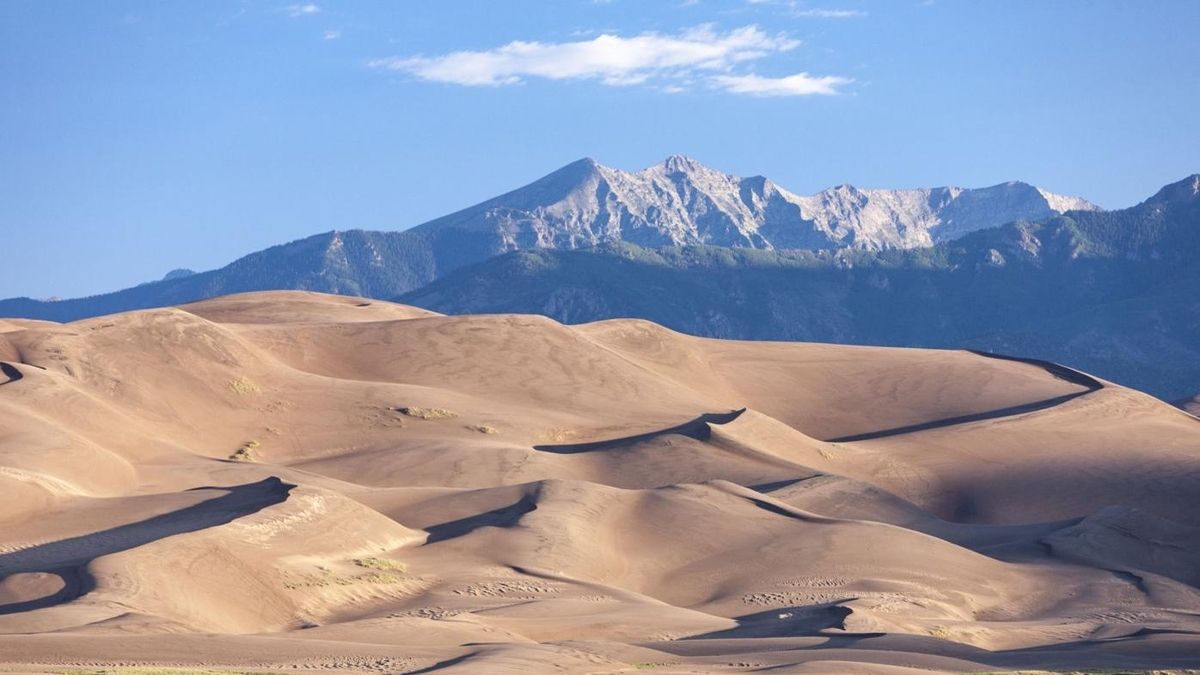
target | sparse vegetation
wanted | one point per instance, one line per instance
(427, 413)
(371, 578)
(276, 406)
(483, 428)
(243, 386)
(324, 577)
(557, 435)
(381, 564)
(246, 453)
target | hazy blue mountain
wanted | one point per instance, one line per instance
(1115, 293)
(178, 273)
(374, 264)
(678, 201)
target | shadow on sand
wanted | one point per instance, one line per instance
(697, 428)
(68, 558)
(784, 622)
(10, 372)
(506, 516)
(1089, 383)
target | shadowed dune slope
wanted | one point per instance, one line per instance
(1191, 405)
(313, 482)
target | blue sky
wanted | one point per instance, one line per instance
(136, 137)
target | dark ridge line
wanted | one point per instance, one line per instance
(1061, 372)
(68, 558)
(780, 484)
(962, 419)
(696, 428)
(1137, 580)
(776, 509)
(505, 516)
(1056, 369)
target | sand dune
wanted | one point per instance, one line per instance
(1191, 405)
(312, 482)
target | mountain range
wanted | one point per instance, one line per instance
(680, 201)
(1115, 293)
(676, 202)
(1009, 267)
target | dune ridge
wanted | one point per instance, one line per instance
(314, 482)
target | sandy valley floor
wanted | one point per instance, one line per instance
(302, 482)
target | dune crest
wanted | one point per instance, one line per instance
(297, 480)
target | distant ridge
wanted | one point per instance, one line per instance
(1116, 293)
(676, 202)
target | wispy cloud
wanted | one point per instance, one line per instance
(670, 61)
(800, 84)
(305, 9)
(798, 9)
(331, 35)
(828, 13)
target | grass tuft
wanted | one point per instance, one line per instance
(381, 564)
(382, 571)
(427, 413)
(247, 453)
(243, 386)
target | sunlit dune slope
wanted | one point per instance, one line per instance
(289, 479)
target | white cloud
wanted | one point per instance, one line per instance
(796, 8)
(828, 13)
(609, 58)
(331, 35)
(305, 9)
(800, 84)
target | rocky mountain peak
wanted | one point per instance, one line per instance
(683, 201)
(682, 164)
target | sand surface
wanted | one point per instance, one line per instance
(296, 482)
(1191, 405)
